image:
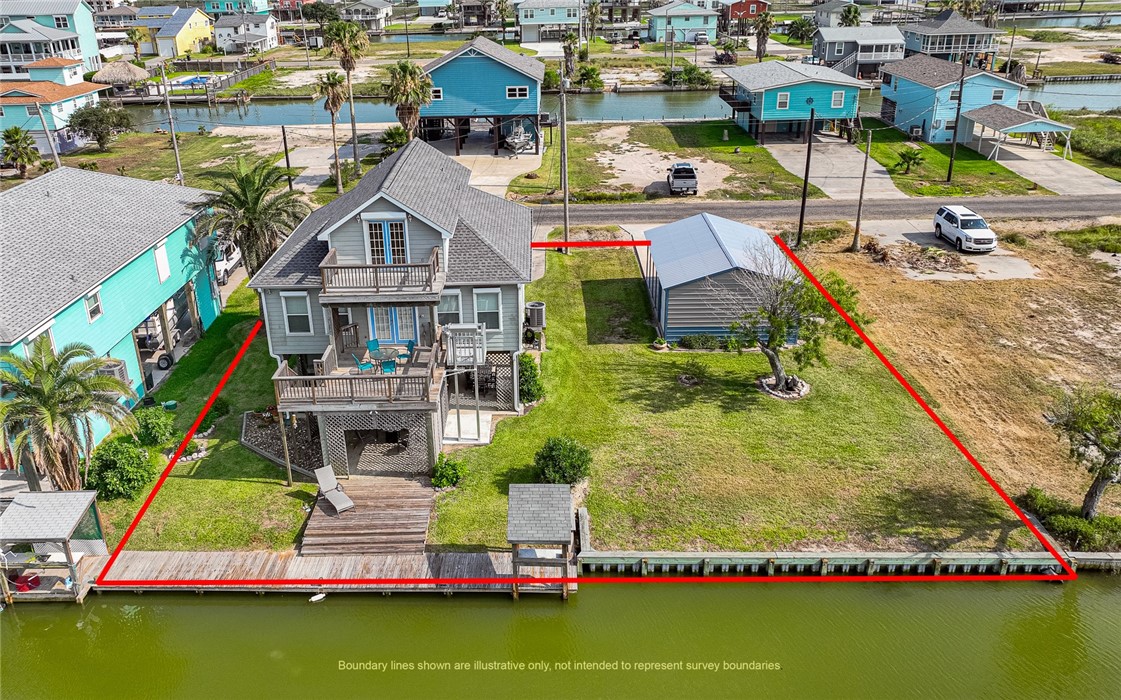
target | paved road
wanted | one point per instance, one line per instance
(1040, 206)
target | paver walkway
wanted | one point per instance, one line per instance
(836, 168)
(1050, 170)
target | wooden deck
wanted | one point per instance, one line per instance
(52, 585)
(390, 516)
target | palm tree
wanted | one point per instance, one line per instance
(247, 210)
(52, 403)
(19, 149)
(347, 42)
(134, 36)
(802, 30)
(910, 158)
(850, 16)
(410, 88)
(502, 9)
(763, 25)
(392, 140)
(595, 10)
(570, 40)
(969, 8)
(330, 86)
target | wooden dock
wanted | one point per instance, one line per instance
(390, 516)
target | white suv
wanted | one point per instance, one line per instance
(966, 230)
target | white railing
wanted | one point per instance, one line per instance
(879, 56)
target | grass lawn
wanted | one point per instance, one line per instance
(1095, 138)
(150, 156)
(974, 176)
(1078, 68)
(756, 174)
(1106, 238)
(232, 499)
(269, 83)
(720, 466)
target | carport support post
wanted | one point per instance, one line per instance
(805, 181)
(855, 247)
(283, 435)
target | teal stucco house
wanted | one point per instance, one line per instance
(683, 20)
(776, 97)
(107, 261)
(484, 83)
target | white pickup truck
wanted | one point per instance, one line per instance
(229, 257)
(682, 179)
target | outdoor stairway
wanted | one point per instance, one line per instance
(390, 516)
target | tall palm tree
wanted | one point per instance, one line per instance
(595, 10)
(763, 26)
(19, 149)
(249, 211)
(134, 36)
(330, 86)
(347, 42)
(570, 40)
(502, 9)
(802, 30)
(410, 88)
(52, 403)
(850, 16)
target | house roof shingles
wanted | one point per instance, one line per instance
(679, 9)
(948, 22)
(490, 235)
(933, 72)
(25, 30)
(44, 516)
(234, 21)
(31, 91)
(14, 8)
(540, 514)
(53, 62)
(876, 34)
(703, 245)
(772, 74)
(1002, 118)
(832, 6)
(68, 230)
(519, 62)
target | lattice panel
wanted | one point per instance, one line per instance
(387, 458)
(503, 363)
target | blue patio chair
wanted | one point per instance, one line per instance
(409, 347)
(362, 366)
(372, 345)
(389, 366)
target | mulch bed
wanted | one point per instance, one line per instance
(264, 435)
(916, 257)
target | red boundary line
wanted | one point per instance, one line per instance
(1070, 574)
(557, 245)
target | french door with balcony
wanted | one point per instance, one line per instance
(393, 324)
(388, 243)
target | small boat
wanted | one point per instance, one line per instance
(317, 597)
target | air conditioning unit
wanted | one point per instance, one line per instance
(916, 132)
(535, 315)
(115, 368)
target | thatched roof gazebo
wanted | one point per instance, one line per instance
(120, 73)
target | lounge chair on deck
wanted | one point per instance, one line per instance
(331, 490)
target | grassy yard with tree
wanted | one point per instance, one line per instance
(721, 466)
(974, 175)
(1096, 139)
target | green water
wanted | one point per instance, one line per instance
(821, 640)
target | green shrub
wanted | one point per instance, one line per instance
(1106, 238)
(220, 407)
(155, 426)
(551, 80)
(1074, 531)
(119, 469)
(530, 387)
(448, 471)
(582, 54)
(700, 341)
(1014, 238)
(562, 460)
(1064, 521)
(1043, 505)
(192, 448)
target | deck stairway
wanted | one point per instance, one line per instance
(1046, 140)
(390, 516)
(845, 63)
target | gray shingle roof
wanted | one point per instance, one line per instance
(833, 6)
(490, 235)
(227, 21)
(14, 8)
(704, 245)
(66, 231)
(934, 72)
(948, 22)
(679, 9)
(44, 516)
(519, 62)
(1001, 118)
(772, 74)
(540, 514)
(882, 34)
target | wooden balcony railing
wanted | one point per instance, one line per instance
(728, 93)
(419, 277)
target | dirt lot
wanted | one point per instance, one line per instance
(645, 168)
(991, 353)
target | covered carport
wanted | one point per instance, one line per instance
(1005, 122)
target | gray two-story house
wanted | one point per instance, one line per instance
(415, 258)
(858, 52)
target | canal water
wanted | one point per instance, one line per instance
(643, 106)
(952, 640)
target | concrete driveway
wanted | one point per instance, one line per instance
(1050, 170)
(836, 167)
(1001, 264)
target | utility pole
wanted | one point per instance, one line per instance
(171, 125)
(957, 119)
(303, 23)
(49, 135)
(1010, 45)
(855, 247)
(564, 149)
(408, 46)
(288, 163)
(672, 49)
(806, 180)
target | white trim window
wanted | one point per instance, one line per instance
(998, 94)
(163, 268)
(297, 313)
(571, 13)
(517, 92)
(450, 309)
(32, 110)
(61, 22)
(527, 13)
(94, 309)
(437, 94)
(782, 100)
(488, 308)
(838, 99)
(839, 49)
